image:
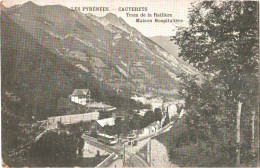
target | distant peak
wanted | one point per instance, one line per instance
(115, 19)
(2, 6)
(29, 3)
(111, 15)
(89, 14)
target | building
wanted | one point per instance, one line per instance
(100, 106)
(99, 125)
(143, 112)
(80, 96)
(175, 110)
(183, 113)
(150, 129)
(172, 110)
(52, 122)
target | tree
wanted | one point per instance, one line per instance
(222, 42)
(179, 108)
(125, 126)
(104, 114)
(109, 130)
(148, 118)
(60, 125)
(118, 125)
(95, 94)
(158, 114)
(167, 119)
(98, 154)
(54, 149)
(135, 122)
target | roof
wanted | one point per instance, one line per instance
(143, 111)
(80, 92)
(106, 121)
(99, 105)
(138, 64)
(74, 118)
(105, 135)
(154, 124)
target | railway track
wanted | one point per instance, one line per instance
(132, 160)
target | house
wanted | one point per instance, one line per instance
(154, 126)
(100, 124)
(143, 111)
(137, 64)
(183, 113)
(175, 110)
(172, 110)
(80, 96)
(150, 129)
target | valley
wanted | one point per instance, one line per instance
(46, 56)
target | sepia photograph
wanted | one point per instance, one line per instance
(127, 83)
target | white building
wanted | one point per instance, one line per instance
(152, 128)
(100, 124)
(52, 122)
(80, 96)
(154, 102)
(172, 110)
(143, 112)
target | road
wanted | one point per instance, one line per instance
(132, 160)
(164, 129)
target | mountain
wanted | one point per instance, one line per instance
(2, 7)
(166, 43)
(48, 51)
(111, 19)
(31, 72)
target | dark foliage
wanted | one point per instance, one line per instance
(221, 41)
(55, 149)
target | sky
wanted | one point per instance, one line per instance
(178, 9)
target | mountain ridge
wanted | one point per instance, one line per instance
(116, 55)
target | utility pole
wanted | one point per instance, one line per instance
(238, 132)
(163, 103)
(124, 157)
(253, 133)
(47, 123)
(254, 112)
(149, 153)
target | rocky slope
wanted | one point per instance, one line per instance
(48, 51)
(166, 43)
